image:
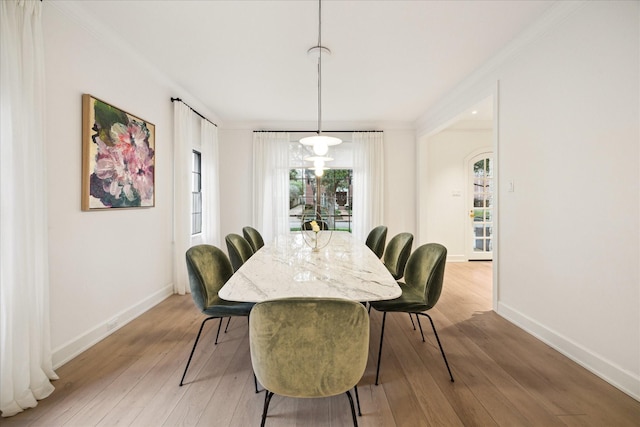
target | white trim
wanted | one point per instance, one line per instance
(622, 379)
(496, 193)
(474, 87)
(74, 347)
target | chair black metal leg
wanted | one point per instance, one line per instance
(384, 318)
(419, 325)
(227, 327)
(255, 382)
(357, 400)
(194, 348)
(218, 333)
(438, 339)
(267, 398)
(412, 323)
(353, 410)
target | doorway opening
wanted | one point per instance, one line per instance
(457, 172)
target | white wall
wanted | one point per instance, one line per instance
(446, 214)
(108, 265)
(569, 131)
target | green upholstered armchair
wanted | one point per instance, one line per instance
(423, 278)
(309, 347)
(254, 238)
(239, 250)
(377, 239)
(209, 269)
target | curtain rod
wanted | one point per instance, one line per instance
(315, 131)
(191, 108)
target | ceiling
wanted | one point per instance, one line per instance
(246, 61)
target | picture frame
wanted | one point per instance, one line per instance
(118, 158)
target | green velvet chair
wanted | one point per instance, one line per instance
(397, 253)
(309, 347)
(377, 239)
(209, 269)
(423, 278)
(239, 250)
(254, 238)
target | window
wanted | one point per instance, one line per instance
(196, 193)
(327, 198)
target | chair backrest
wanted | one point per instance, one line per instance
(209, 269)
(254, 238)
(239, 250)
(377, 239)
(397, 253)
(309, 347)
(322, 224)
(425, 271)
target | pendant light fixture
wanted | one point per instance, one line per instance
(319, 142)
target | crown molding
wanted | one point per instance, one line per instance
(481, 83)
(309, 125)
(78, 14)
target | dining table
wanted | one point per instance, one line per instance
(326, 264)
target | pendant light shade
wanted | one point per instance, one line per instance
(320, 143)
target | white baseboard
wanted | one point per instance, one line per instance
(620, 378)
(456, 258)
(71, 349)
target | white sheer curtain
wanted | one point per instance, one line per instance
(25, 344)
(271, 183)
(368, 179)
(210, 183)
(183, 135)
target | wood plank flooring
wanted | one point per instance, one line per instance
(503, 376)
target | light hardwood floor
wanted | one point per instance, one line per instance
(503, 376)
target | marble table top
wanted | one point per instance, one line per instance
(288, 267)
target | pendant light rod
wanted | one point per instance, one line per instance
(319, 67)
(319, 142)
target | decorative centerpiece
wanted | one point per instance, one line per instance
(312, 232)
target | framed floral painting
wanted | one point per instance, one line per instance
(118, 158)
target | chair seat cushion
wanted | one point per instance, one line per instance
(224, 308)
(411, 301)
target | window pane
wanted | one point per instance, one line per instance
(488, 230)
(196, 193)
(196, 223)
(487, 215)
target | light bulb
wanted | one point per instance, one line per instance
(319, 172)
(318, 164)
(320, 148)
